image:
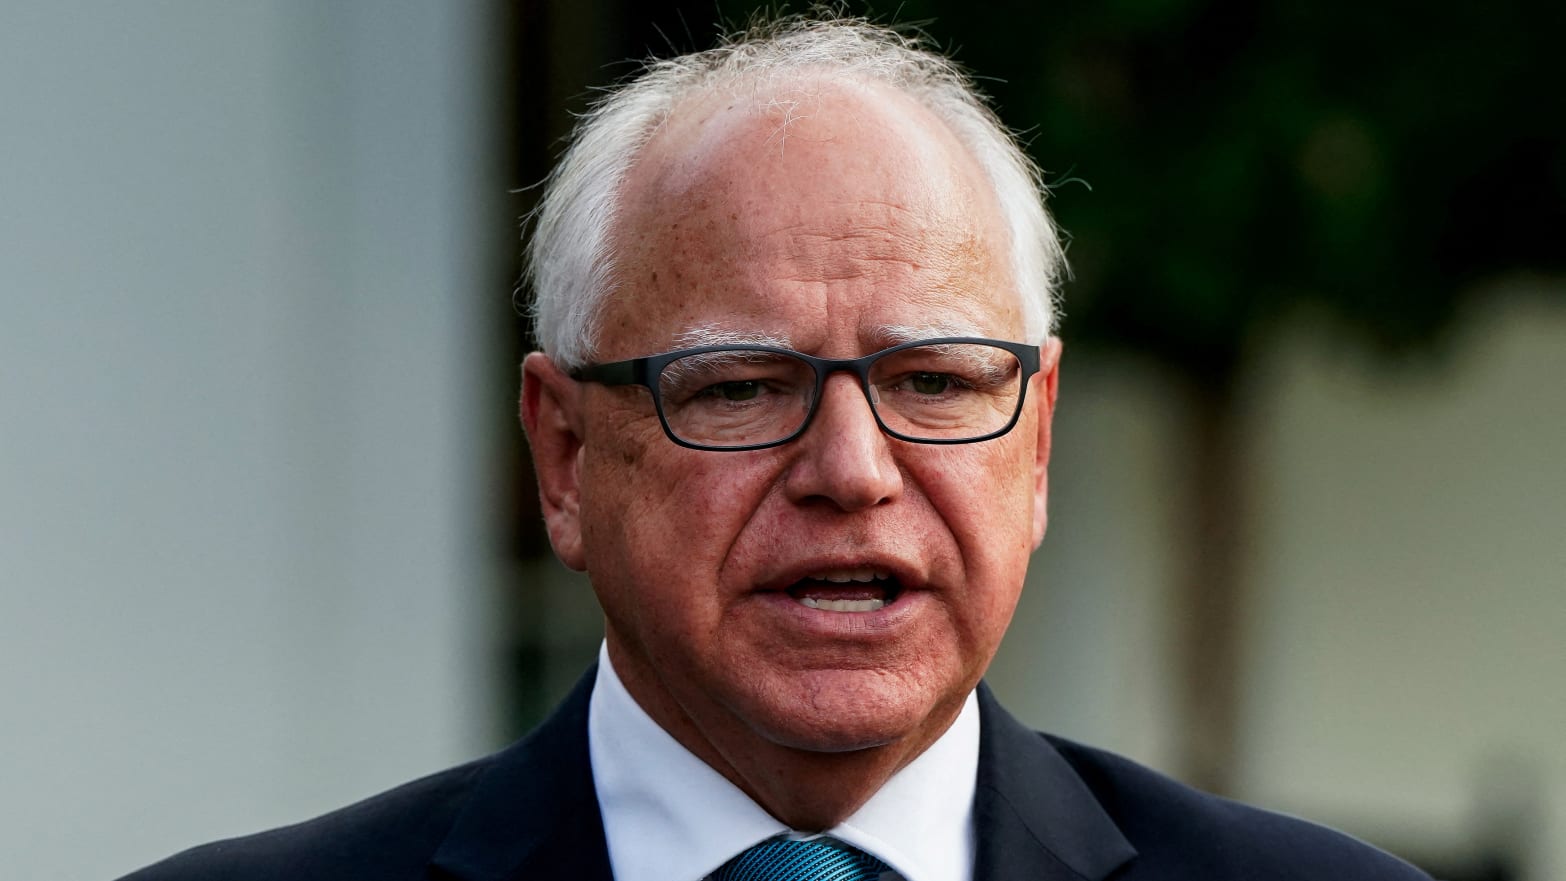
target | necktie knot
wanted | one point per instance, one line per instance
(819, 859)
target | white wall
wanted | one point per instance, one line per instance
(1409, 653)
(239, 334)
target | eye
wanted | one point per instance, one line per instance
(930, 383)
(738, 390)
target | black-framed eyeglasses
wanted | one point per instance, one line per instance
(948, 390)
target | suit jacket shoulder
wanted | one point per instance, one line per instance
(1164, 830)
(380, 837)
(528, 811)
(1173, 824)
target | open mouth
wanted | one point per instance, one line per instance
(847, 590)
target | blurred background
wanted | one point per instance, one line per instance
(268, 538)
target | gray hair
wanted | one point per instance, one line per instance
(569, 264)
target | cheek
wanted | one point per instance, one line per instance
(661, 513)
(984, 493)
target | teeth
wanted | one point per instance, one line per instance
(843, 605)
(846, 576)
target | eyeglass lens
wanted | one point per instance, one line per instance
(737, 397)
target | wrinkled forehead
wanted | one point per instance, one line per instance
(801, 196)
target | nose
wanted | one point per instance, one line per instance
(843, 459)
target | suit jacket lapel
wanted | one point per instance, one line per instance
(1035, 817)
(534, 812)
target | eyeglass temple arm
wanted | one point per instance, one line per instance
(632, 372)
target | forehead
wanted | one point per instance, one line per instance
(805, 210)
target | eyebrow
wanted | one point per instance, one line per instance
(888, 335)
(883, 337)
(714, 335)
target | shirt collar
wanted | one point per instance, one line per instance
(668, 816)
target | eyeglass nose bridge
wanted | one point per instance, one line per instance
(859, 369)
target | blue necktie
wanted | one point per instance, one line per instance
(819, 859)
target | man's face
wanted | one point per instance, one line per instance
(835, 219)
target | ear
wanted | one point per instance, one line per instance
(1048, 384)
(552, 414)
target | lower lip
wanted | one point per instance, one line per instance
(887, 622)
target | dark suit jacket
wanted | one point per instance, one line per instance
(1046, 810)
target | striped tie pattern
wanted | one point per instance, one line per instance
(819, 859)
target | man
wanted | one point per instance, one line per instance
(792, 417)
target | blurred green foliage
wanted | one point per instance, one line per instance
(1220, 163)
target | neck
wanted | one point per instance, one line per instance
(812, 791)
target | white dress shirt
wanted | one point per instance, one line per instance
(668, 816)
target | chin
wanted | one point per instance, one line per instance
(838, 711)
